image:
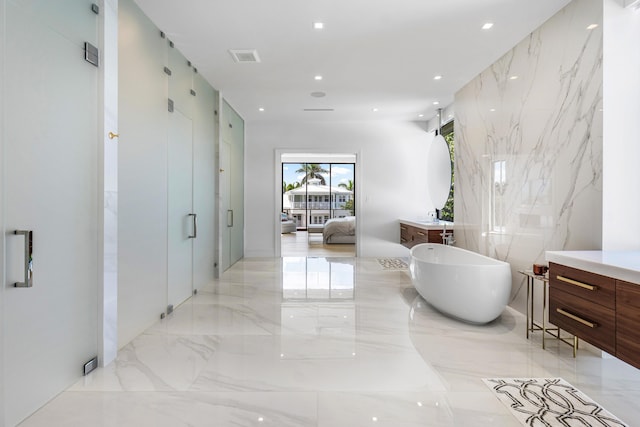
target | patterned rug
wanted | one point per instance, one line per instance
(539, 402)
(393, 263)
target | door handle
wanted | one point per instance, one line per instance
(195, 226)
(230, 218)
(28, 259)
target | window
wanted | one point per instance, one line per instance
(447, 133)
(310, 191)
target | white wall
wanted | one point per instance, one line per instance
(621, 84)
(390, 177)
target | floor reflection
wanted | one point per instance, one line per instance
(318, 304)
(318, 279)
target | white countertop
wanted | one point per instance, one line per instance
(621, 265)
(428, 224)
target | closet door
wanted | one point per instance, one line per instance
(50, 194)
(181, 220)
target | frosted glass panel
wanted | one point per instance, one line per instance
(180, 193)
(51, 188)
(204, 181)
(180, 83)
(70, 19)
(142, 168)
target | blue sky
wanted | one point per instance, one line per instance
(341, 173)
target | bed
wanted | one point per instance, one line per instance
(340, 231)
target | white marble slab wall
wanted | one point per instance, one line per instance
(529, 146)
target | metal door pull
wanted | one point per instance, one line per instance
(195, 226)
(28, 259)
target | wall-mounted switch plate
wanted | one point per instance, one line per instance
(170, 105)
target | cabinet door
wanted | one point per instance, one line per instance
(627, 321)
(50, 156)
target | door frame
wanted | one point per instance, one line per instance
(277, 197)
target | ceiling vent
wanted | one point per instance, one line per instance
(244, 55)
(318, 109)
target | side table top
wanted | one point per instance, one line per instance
(529, 273)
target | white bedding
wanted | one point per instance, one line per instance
(336, 228)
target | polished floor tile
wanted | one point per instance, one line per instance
(327, 342)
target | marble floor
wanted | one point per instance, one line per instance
(301, 244)
(324, 342)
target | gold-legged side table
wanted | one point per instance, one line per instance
(532, 325)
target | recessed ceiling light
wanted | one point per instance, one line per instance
(487, 26)
(420, 115)
(436, 103)
(375, 110)
(513, 78)
(260, 109)
(492, 110)
(592, 26)
(318, 77)
(318, 25)
(437, 77)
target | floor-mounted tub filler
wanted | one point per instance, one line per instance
(461, 283)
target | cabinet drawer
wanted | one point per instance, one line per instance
(435, 236)
(591, 322)
(590, 286)
(421, 236)
(627, 321)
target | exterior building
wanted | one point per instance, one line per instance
(314, 203)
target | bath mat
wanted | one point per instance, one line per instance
(550, 402)
(393, 263)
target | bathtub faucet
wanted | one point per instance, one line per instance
(447, 238)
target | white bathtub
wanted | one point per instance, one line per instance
(461, 283)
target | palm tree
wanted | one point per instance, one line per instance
(292, 186)
(312, 170)
(348, 185)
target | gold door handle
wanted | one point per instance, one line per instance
(576, 283)
(113, 135)
(576, 318)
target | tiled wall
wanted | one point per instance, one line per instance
(529, 146)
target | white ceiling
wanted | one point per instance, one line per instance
(380, 54)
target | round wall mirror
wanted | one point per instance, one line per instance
(439, 172)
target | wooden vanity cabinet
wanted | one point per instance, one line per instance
(583, 304)
(600, 310)
(411, 235)
(627, 321)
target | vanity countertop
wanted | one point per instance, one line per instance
(621, 265)
(428, 224)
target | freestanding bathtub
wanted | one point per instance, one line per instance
(460, 283)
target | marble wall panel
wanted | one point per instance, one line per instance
(529, 146)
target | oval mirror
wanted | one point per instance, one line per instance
(439, 172)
